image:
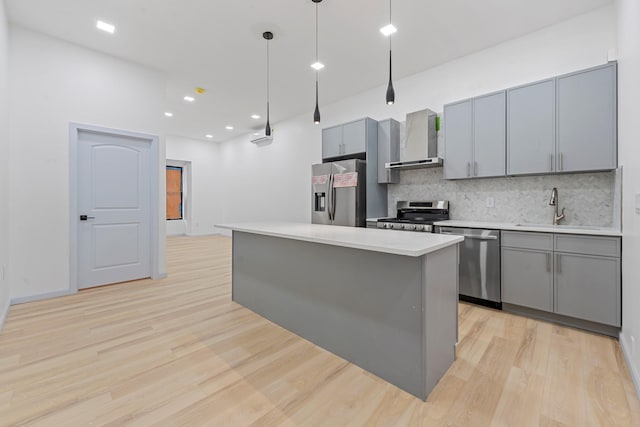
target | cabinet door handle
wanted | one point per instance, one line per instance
(551, 162)
(548, 262)
(558, 267)
(468, 169)
(561, 162)
(475, 168)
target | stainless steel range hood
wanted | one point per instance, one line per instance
(421, 146)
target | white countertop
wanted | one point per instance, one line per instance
(541, 228)
(370, 239)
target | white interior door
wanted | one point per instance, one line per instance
(114, 233)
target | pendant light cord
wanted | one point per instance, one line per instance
(268, 79)
(316, 42)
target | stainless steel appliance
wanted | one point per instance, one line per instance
(421, 145)
(338, 193)
(416, 216)
(479, 265)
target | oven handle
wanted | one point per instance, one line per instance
(471, 236)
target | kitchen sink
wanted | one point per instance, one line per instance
(577, 227)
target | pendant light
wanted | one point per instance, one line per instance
(391, 94)
(317, 66)
(267, 35)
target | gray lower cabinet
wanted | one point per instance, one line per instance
(578, 276)
(588, 287)
(527, 278)
(531, 129)
(587, 120)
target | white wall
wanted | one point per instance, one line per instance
(4, 165)
(273, 182)
(54, 83)
(203, 200)
(629, 150)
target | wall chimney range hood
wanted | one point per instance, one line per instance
(421, 147)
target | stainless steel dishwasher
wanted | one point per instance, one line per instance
(479, 265)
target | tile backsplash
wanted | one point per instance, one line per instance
(589, 198)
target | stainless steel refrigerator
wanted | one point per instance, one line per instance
(338, 193)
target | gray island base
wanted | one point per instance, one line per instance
(394, 315)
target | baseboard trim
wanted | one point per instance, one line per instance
(39, 297)
(635, 377)
(4, 313)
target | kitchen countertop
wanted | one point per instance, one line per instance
(370, 239)
(541, 228)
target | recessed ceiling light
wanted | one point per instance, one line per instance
(189, 98)
(255, 116)
(228, 127)
(317, 66)
(209, 136)
(101, 25)
(388, 30)
(168, 114)
(256, 133)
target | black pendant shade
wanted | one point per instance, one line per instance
(391, 94)
(267, 35)
(316, 113)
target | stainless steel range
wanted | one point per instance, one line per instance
(416, 216)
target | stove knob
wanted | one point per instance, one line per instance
(419, 227)
(410, 227)
(390, 226)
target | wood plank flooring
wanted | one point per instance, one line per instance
(178, 352)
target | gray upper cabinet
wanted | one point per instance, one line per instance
(527, 278)
(332, 142)
(349, 138)
(588, 287)
(458, 146)
(354, 137)
(587, 120)
(489, 135)
(531, 136)
(388, 150)
(475, 137)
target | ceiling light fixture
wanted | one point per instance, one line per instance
(109, 28)
(255, 116)
(189, 98)
(228, 127)
(317, 66)
(209, 136)
(267, 35)
(387, 30)
(168, 114)
(316, 112)
(391, 94)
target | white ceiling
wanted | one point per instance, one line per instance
(218, 45)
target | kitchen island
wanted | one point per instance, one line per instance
(384, 300)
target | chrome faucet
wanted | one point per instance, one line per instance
(554, 202)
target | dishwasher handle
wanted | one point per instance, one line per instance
(471, 236)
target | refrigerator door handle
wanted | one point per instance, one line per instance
(333, 200)
(330, 197)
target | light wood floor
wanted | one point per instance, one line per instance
(178, 352)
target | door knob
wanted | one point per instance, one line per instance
(84, 217)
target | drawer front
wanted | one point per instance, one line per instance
(527, 240)
(588, 245)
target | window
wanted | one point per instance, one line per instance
(174, 193)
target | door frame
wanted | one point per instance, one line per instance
(154, 210)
